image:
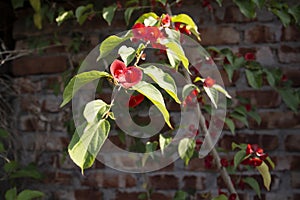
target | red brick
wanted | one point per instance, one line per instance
(267, 142)
(164, 182)
(293, 75)
(31, 123)
(58, 178)
(288, 54)
(276, 119)
(127, 195)
(265, 56)
(292, 143)
(26, 85)
(160, 196)
(261, 98)
(214, 35)
(295, 176)
(261, 34)
(39, 65)
(233, 14)
(84, 194)
(193, 183)
(295, 163)
(290, 33)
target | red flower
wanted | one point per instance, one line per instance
(126, 76)
(257, 155)
(182, 28)
(224, 162)
(248, 107)
(191, 99)
(146, 33)
(232, 197)
(166, 21)
(209, 82)
(249, 56)
(135, 100)
(284, 78)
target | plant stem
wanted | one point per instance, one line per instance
(224, 174)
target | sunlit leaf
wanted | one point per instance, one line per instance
(154, 95)
(108, 13)
(264, 171)
(163, 79)
(78, 81)
(87, 142)
(127, 54)
(64, 16)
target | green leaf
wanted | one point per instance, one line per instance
(80, 80)
(36, 5)
(64, 16)
(239, 157)
(222, 90)
(29, 194)
(142, 18)
(11, 194)
(283, 15)
(110, 43)
(259, 3)
(82, 13)
(295, 12)
(155, 97)
(29, 171)
(220, 197)
(264, 171)
(254, 115)
(270, 78)
(240, 117)
(163, 2)
(246, 7)
(164, 80)
(108, 13)
(2, 149)
(230, 125)
(228, 54)
(212, 94)
(93, 108)
(87, 142)
(181, 195)
(3, 133)
(187, 89)
(127, 54)
(10, 166)
(289, 98)
(241, 110)
(229, 70)
(253, 184)
(219, 2)
(186, 149)
(184, 18)
(37, 20)
(127, 14)
(17, 3)
(270, 162)
(240, 146)
(254, 78)
(175, 50)
(142, 196)
(163, 142)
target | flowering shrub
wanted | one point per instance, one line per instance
(132, 72)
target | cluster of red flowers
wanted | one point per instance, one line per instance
(255, 155)
(125, 76)
(191, 99)
(209, 82)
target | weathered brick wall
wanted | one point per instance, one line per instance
(42, 135)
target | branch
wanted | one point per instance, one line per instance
(224, 174)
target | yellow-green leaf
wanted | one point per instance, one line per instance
(264, 171)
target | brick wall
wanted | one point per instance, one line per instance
(42, 136)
